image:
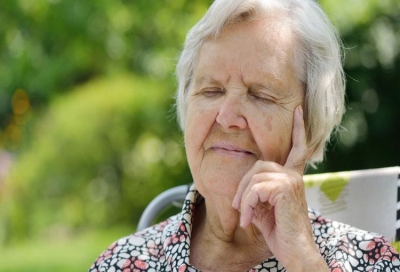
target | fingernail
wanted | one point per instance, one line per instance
(300, 110)
(241, 222)
(234, 202)
(246, 217)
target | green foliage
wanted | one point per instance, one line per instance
(72, 253)
(371, 34)
(96, 158)
(49, 46)
(94, 155)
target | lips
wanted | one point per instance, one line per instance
(231, 150)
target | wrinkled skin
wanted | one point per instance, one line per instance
(246, 148)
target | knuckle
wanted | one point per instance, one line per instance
(259, 177)
(256, 188)
(259, 164)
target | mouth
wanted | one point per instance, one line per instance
(231, 150)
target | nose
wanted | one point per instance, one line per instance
(231, 113)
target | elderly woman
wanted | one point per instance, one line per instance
(260, 90)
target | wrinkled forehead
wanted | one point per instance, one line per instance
(261, 45)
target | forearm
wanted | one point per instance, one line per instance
(309, 262)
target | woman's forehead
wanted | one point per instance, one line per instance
(248, 51)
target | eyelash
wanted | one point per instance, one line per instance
(261, 98)
(210, 92)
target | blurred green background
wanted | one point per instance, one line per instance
(88, 134)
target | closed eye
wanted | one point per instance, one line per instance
(261, 97)
(212, 92)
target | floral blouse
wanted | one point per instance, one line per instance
(166, 247)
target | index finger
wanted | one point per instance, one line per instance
(296, 158)
(298, 154)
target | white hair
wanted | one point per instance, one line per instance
(318, 60)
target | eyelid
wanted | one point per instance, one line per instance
(210, 91)
(261, 95)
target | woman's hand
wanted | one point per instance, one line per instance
(272, 198)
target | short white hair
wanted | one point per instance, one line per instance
(318, 60)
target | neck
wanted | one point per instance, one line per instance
(218, 240)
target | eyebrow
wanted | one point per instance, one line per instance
(205, 79)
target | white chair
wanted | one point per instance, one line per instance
(367, 199)
(172, 196)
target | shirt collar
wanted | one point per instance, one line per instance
(177, 236)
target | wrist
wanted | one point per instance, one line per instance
(309, 262)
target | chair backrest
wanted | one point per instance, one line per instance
(160, 202)
(367, 199)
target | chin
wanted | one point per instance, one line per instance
(218, 186)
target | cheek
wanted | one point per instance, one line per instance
(196, 110)
(268, 123)
(273, 135)
(199, 121)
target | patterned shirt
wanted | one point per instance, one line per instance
(166, 247)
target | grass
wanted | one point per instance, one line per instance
(69, 254)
